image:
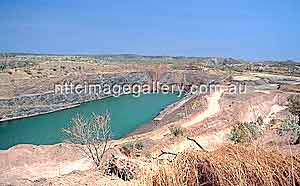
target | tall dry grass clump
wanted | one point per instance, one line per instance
(229, 165)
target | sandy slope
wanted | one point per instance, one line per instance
(158, 134)
(213, 108)
(209, 139)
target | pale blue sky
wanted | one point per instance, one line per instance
(256, 29)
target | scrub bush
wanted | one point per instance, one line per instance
(292, 128)
(177, 130)
(294, 106)
(244, 132)
(133, 145)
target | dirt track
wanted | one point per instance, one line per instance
(213, 108)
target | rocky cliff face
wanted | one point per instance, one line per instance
(33, 104)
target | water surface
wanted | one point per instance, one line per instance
(127, 114)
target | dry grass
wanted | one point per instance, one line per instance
(229, 165)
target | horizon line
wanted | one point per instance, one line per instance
(146, 55)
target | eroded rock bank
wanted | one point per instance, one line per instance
(34, 104)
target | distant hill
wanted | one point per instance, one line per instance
(208, 60)
(283, 63)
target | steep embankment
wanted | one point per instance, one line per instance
(35, 104)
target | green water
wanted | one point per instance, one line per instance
(127, 114)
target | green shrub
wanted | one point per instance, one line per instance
(177, 130)
(180, 115)
(139, 145)
(294, 106)
(133, 145)
(292, 128)
(244, 132)
(148, 156)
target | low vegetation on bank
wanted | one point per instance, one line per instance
(177, 131)
(245, 132)
(291, 125)
(132, 147)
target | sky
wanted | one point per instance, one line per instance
(245, 29)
